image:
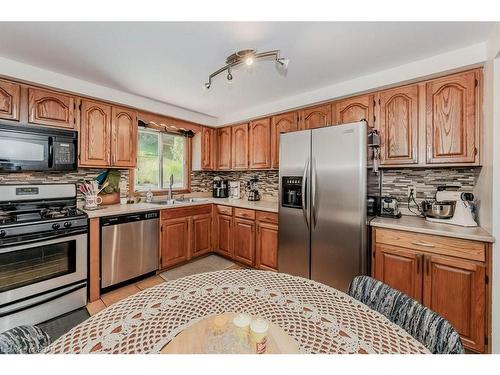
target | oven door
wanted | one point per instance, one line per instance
(38, 268)
(20, 151)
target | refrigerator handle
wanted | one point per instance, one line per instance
(305, 205)
(314, 187)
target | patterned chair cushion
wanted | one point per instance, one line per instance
(431, 329)
(23, 340)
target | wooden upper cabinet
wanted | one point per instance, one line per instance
(398, 125)
(284, 123)
(95, 129)
(452, 124)
(315, 117)
(224, 148)
(456, 290)
(244, 241)
(123, 137)
(400, 269)
(51, 108)
(239, 147)
(260, 144)
(10, 97)
(355, 109)
(208, 149)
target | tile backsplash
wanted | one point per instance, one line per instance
(395, 182)
(201, 181)
(58, 177)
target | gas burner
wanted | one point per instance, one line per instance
(6, 218)
(58, 212)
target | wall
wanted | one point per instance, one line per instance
(58, 177)
(267, 185)
(395, 182)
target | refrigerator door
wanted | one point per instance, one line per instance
(294, 234)
(338, 204)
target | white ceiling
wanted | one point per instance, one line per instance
(170, 61)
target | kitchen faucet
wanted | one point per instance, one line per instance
(171, 183)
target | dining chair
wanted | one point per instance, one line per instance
(23, 340)
(429, 328)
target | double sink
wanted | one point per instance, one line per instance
(172, 202)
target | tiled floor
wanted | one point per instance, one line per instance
(121, 293)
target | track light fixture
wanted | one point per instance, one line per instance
(247, 57)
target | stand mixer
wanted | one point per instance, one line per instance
(451, 207)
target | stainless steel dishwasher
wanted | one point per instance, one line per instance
(129, 246)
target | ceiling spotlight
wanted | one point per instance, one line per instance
(247, 57)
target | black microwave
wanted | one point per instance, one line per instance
(29, 148)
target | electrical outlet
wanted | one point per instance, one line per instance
(412, 190)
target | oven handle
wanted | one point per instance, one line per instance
(38, 303)
(43, 239)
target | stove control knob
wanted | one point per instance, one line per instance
(55, 226)
(67, 224)
(2, 233)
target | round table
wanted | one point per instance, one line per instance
(320, 319)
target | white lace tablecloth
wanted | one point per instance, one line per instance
(320, 319)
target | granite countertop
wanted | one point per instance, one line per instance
(420, 225)
(119, 209)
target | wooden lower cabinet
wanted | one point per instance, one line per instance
(244, 241)
(444, 278)
(201, 229)
(456, 289)
(174, 241)
(266, 254)
(224, 235)
(400, 269)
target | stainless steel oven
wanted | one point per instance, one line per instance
(43, 279)
(28, 148)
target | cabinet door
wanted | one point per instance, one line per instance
(451, 123)
(95, 134)
(260, 144)
(201, 228)
(224, 243)
(51, 108)
(284, 123)
(455, 289)
(208, 149)
(240, 147)
(10, 96)
(244, 241)
(267, 246)
(400, 269)
(174, 241)
(315, 117)
(123, 137)
(355, 109)
(398, 125)
(224, 148)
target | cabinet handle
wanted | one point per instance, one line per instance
(423, 244)
(419, 259)
(427, 265)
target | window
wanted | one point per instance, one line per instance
(160, 155)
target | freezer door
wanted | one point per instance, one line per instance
(338, 204)
(294, 234)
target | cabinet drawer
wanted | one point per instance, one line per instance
(225, 210)
(244, 213)
(268, 217)
(172, 213)
(456, 247)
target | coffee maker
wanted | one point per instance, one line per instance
(252, 192)
(220, 188)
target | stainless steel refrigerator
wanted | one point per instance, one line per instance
(322, 208)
